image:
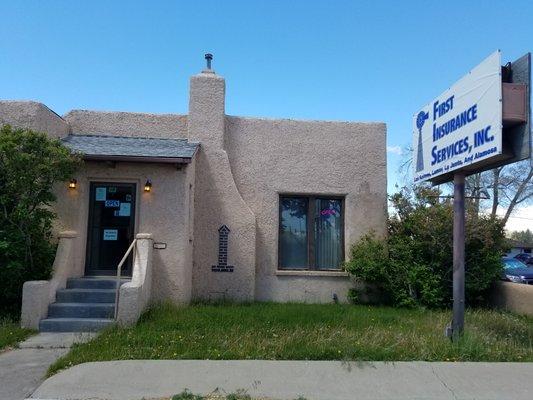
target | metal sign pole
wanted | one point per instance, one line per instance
(458, 320)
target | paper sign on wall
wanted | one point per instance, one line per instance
(125, 210)
(100, 194)
(110, 234)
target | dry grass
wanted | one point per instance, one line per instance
(11, 333)
(239, 395)
(309, 332)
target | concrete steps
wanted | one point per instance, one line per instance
(85, 296)
(93, 283)
(74, 324)
(81, 310)
(85, 305)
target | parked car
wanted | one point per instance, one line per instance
(525, 258)
(516, 271)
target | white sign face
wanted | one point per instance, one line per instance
(462, 126)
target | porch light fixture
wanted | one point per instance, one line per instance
(72, 184)
(148, 186)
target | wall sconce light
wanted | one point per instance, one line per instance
(72, 184)
(148, 186)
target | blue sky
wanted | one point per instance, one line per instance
(332, 60)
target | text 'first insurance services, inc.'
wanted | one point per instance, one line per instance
(461, 126)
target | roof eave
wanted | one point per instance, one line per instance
(138, 159)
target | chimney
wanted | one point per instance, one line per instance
(207, 108)
(208, 58)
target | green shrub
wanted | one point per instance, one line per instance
(413, 265)
(187, 395)
(240, 394)
(30, 164)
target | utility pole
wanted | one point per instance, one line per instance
(458, 320)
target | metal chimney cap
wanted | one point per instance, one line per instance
(208, 58)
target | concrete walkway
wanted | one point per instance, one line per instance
(314, 380)
(23, 369)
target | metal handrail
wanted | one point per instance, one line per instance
(119, 272)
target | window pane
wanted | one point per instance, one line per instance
(328, 234)
(293, 232)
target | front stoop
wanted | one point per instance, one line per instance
(85, 305)
(74, 324)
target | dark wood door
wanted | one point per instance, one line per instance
(111, 227)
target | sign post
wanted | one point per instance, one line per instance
(458, 319)
(481, 122)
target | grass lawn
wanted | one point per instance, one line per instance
(11, 333)
(308, 332)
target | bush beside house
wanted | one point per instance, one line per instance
(413, 265)
(30, 165)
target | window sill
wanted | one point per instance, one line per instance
(288, 272)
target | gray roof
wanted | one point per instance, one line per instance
(131, 148)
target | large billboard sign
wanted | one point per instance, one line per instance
(461, 127)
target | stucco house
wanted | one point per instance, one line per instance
(216, 207)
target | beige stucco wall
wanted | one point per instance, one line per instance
(161, 212)
(218, 201)
(272, 157)
(33, 115)
(127, 124)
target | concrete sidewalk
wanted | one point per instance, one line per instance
(23, 369)
(314, 380)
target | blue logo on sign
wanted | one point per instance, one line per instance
(420, 120)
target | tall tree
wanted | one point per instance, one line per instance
(30, 165)
(509, 187)
(523, 236)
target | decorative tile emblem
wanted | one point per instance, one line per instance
(222, 266)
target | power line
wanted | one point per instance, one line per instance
(530, 219)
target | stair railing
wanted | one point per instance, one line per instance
(119, 272)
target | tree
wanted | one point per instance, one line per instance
(508, 187)
(413, 264)
(512, 186)
(30, 165)
(523, 236)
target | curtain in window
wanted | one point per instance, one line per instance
(293, 233)
(328, 233)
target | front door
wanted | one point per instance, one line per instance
(111, 227)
